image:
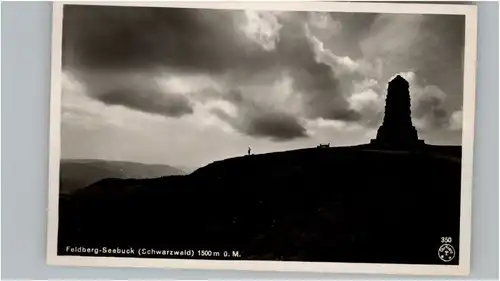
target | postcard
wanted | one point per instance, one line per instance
(301, 136)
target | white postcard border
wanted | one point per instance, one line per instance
(470, 11)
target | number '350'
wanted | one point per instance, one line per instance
(446, 240)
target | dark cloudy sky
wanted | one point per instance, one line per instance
(187, 87)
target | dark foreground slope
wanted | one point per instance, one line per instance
(336, 204)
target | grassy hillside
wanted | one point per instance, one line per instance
(348, 204)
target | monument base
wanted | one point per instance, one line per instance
(408, 145)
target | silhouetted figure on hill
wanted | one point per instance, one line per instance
(397, 130)
(249, 150)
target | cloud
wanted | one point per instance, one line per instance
(324, 24)
(77, 108)
(324, 20)
(365, 100)
(279, 76)
(342, 65)
(393, 35)
(259, 111)
(80, 109)
(429, 45)
(276, 126)
(139, 38)
(267, 110)
(272, 91)
(429, 106)
(157, 38)
(146, 92)
(194, 42)
(262, 28)
(317, 82)
(357, 90)
(148, 100)
(456, 120)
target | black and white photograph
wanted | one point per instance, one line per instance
(304, 136)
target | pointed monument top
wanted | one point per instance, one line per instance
(399, 80)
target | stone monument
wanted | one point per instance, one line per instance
(397, 131)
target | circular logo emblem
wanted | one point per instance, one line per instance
(446, 252)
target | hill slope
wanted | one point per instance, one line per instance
(335, 204)
(79, 173)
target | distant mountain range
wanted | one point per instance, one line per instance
(79, 173)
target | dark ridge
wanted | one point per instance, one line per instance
(336, 204)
